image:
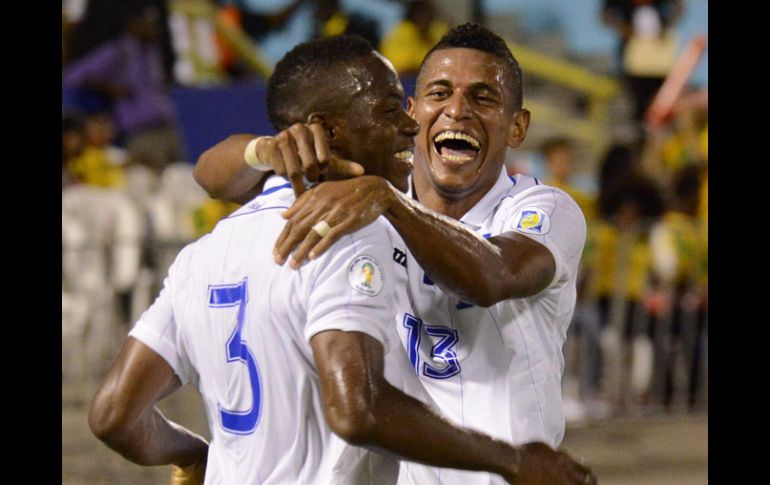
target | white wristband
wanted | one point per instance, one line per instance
(250, 157)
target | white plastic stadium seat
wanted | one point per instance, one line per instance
(102, 235)
(170, 212)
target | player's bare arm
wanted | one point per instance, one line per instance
(123, 413)
(223, 173)
(300, 150)
(510, 265)
(354, 204)
(364, 409)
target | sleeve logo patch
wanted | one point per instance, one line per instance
(365, 275)
(532, 220)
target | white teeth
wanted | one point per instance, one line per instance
(405, 155)
(456, 158)
(457, 135)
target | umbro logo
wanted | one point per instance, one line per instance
(399, 257)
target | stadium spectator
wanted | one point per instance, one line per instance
(408, 41)
(559, 153)
(618, 163)
(129, 71)
(647, 46)
(100, 162)
(683, 141)
(680, 263)
(72, 143)
(330, 19)
(93, 23)
(619, 263)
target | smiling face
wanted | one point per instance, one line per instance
(466, 111)
(372, 128)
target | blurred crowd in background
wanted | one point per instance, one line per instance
(620, 122)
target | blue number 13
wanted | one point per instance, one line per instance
(225, 296)
(443, 351)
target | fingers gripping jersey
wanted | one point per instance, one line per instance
(238, 326)
(498, 369)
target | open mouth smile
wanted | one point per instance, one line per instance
(456, 146)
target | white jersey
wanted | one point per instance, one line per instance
(238, 326)
(498, 369)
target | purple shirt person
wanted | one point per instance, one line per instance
(129, 70)
(135, 72)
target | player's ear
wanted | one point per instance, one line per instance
(320, 118)
(519, 126)
(410, 106)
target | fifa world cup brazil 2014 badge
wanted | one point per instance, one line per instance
(365, 275)
(532, 220)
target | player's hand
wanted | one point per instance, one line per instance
(188, 475)
(539, 464)
(345, 205)
(303, 150)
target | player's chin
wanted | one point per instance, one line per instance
(399, 175)
(453, 184)
(401, 183)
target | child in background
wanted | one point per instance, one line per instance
(100, 163)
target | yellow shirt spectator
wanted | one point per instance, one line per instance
(336, 25)
(98, 166)
(611, 253)
(209, 213)
(680, 250)
(586, 203)
(406, 47)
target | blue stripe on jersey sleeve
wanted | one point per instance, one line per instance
(275, 189)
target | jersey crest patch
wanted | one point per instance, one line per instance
(365, 275)
(532, 220)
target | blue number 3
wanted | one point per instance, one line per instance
(225, 296)
(443, 350)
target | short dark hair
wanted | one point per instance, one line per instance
(478, 37)
(302, 69)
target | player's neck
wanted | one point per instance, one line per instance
(451, 205)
